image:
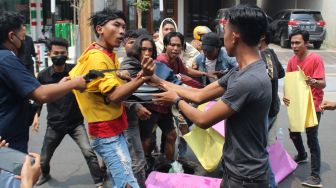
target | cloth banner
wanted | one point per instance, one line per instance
(301, 110)
(206, 142)
(220, 126)
(281, 162)
(180, 180)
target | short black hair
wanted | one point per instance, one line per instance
(131, 34)
(57, 42)
(166, 39)
(9, 21)
(104, 16)
(250, 22)
(304, 33)
(142, 31)
(136, 49)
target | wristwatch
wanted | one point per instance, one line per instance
(314, 82)
(176, 102)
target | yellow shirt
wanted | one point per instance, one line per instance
(91, 101)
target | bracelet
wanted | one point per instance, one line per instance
(176, 102)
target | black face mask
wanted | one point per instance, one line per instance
(59, 60)
(22, 47)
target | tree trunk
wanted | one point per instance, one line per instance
(139, 12)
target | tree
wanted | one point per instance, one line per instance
(142, 6)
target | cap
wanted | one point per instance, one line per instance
(210, 41)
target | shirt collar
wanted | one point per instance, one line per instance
(52, 70)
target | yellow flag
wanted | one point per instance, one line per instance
(207, 145)
(301, 110)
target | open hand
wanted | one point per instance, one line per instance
(167, 98)
(328, 105)
(148, 66)
(143, 113)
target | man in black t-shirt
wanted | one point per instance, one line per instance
(246, 96)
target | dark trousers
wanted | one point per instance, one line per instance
(53, 138)
(313, 144)
(230, 181)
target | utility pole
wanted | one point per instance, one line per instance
(53, 10)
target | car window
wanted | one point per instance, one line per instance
(287, 15)
(306, 16)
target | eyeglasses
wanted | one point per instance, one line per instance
(175, 45)
(145, 49)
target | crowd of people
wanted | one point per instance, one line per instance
(243, 76)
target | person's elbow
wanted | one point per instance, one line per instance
(114, 99)
(324, 85)
(197, 98)
(40, 95)
(202, 123)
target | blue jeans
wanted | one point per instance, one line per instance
(132, 135)
(8, 180)
(114, 152)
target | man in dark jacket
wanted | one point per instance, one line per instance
(28, 53)
(275, 72)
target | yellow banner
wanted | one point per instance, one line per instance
(301, 110)
(207, 145)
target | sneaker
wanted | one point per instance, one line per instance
(43, 179)
(312, 181)
(301, 159)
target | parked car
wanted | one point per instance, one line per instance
(220, 21)
(286, 21)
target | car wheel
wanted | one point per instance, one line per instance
(317, 45)
(283, 42)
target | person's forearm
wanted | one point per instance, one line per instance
(320, 83)
(121, 93)
(195, 73)
(51, 92)
(194, 115)
(26, 184)
(198, 96)
(187, 93)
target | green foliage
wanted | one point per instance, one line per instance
(143, 5)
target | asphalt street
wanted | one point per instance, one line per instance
(69, 169)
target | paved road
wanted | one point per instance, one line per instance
(69, 169)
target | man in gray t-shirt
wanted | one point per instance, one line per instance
(246, 96)
(245, 152)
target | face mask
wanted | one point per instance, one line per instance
(59, 60)
(22, 47)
